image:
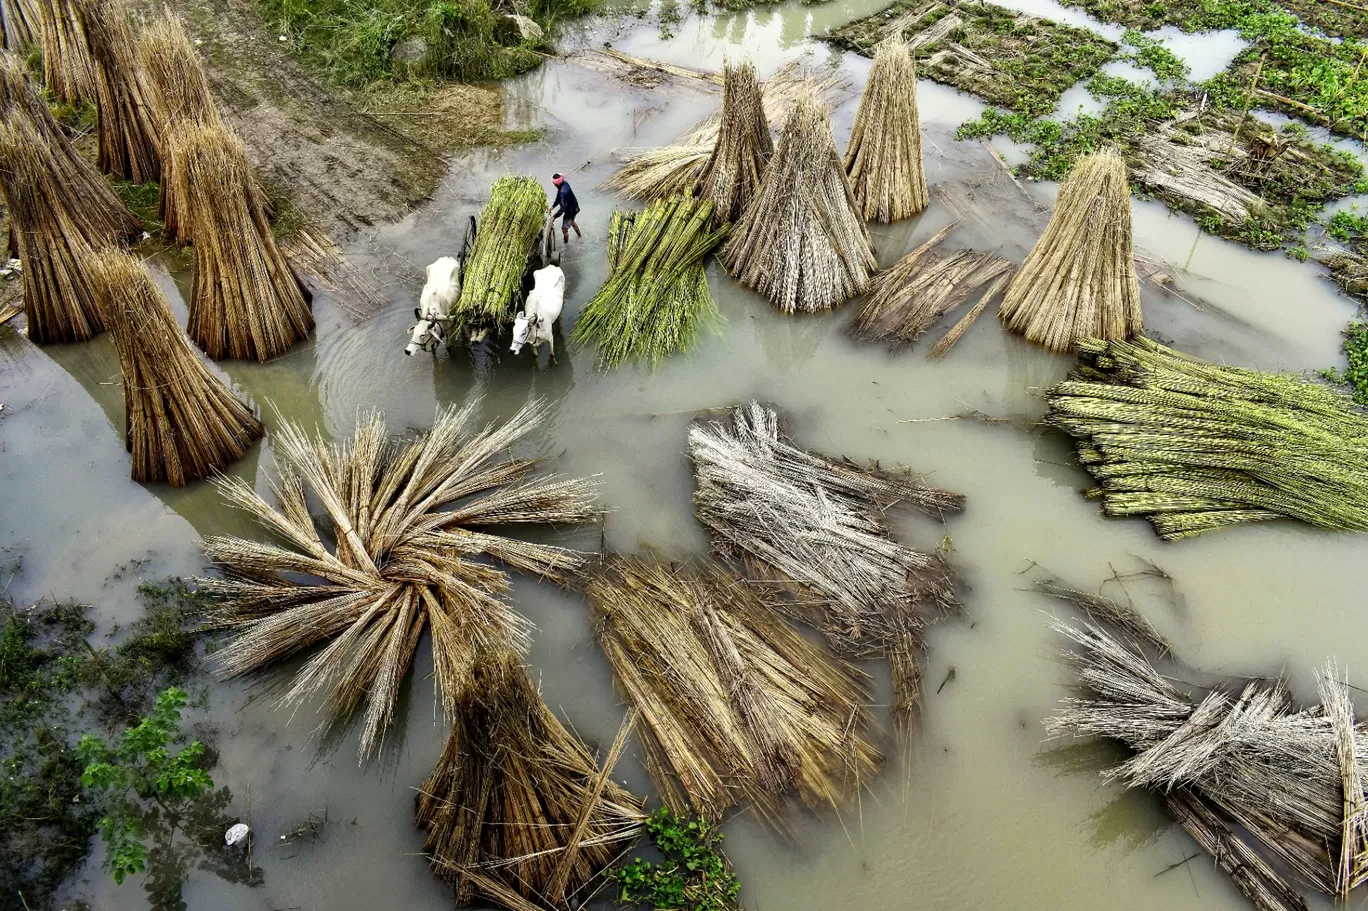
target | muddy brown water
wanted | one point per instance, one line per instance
(984, 813)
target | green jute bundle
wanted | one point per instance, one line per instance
(1195, 446)
(510, 222)
(656, 299)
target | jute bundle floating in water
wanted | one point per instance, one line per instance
(1194, 446)
(1079, 279)
(656, 300)
(517, 809)
(181, 421)
(68, 70)
(884, 157)
(735, 704)
(399, 560)
(801, 243)
(1243, 771)
(55, 229)
(246, 302)
(98, 208)
(19, 23)
(732, 175)
(128, 146)
(818, 524)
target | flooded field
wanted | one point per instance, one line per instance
(984, 813)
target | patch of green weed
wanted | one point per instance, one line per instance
(693, 876)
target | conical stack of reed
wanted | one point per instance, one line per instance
(100, 211)
(55, 230)
(178, 91)
(884, 157)
(19, 22)
(516, 808)
(128, 146)
(802, 242)
(1079, 280)
(68, 70)
(246, 302)
(733, 173)
(181, 421)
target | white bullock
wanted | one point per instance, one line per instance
(440, 293)
(534, 323)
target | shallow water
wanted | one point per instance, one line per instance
(983, 814)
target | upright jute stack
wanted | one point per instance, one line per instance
(884, 157)
(732, 175)
(68, 70)
(404, 556)
(55, 229)
(178, 91)
(516, 809)
(181, 421)
(735, 704)
(802, 242)
(128, 147)
(1079, 279)
(819, 524)
(19, 23)
(100, 211)
(246, 302)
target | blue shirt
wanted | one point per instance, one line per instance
(566, 203)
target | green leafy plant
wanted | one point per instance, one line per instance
(693, 876)
(1148, 52)
(139, 768)
(1346, 226)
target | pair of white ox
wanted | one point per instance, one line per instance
(533, 325)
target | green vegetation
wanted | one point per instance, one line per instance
(137, 769)
(1148, 52)
(143, 200)
(51, 680)
(1348, 227)
(1033, 61)
(1355, 376)
(354, 41)
(693, 876)
(1205, 15)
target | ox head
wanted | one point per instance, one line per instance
(524, 330)
(424, 335)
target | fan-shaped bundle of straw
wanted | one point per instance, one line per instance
(656, 300)
(517, 808)
(98, 208)
(735, 703)
(733, 172)
(68, 70)
(1246, 773)
(819, 524)
(802, 243)
(128, 134)
(884, 157)
(246, 301)
(55, 230)
(398, 559)
(181, 421)
(1194, 446)
(19, 24)
(1079, 279)
(508, 226)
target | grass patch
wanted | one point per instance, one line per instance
(1206, 15)
(1149, 53)
(693, 875)
(1355, 376)
(1347, 227)
(1017, 61)
(143, 200)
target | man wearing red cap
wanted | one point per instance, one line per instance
(567, 207)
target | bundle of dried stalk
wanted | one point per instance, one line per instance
(55, 229)
(1246, 771)
(246, 301)
(1079, 279)
(517, 809)
(181, 420)
(735, 704)
(910, 296)
(884, 157)
(19, 24)
(68, 70)
(128, 134)
(404, 557)
(817, 524)
(802, 243)
(100, 212)
(732, 174)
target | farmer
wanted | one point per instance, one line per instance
(567, 206)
